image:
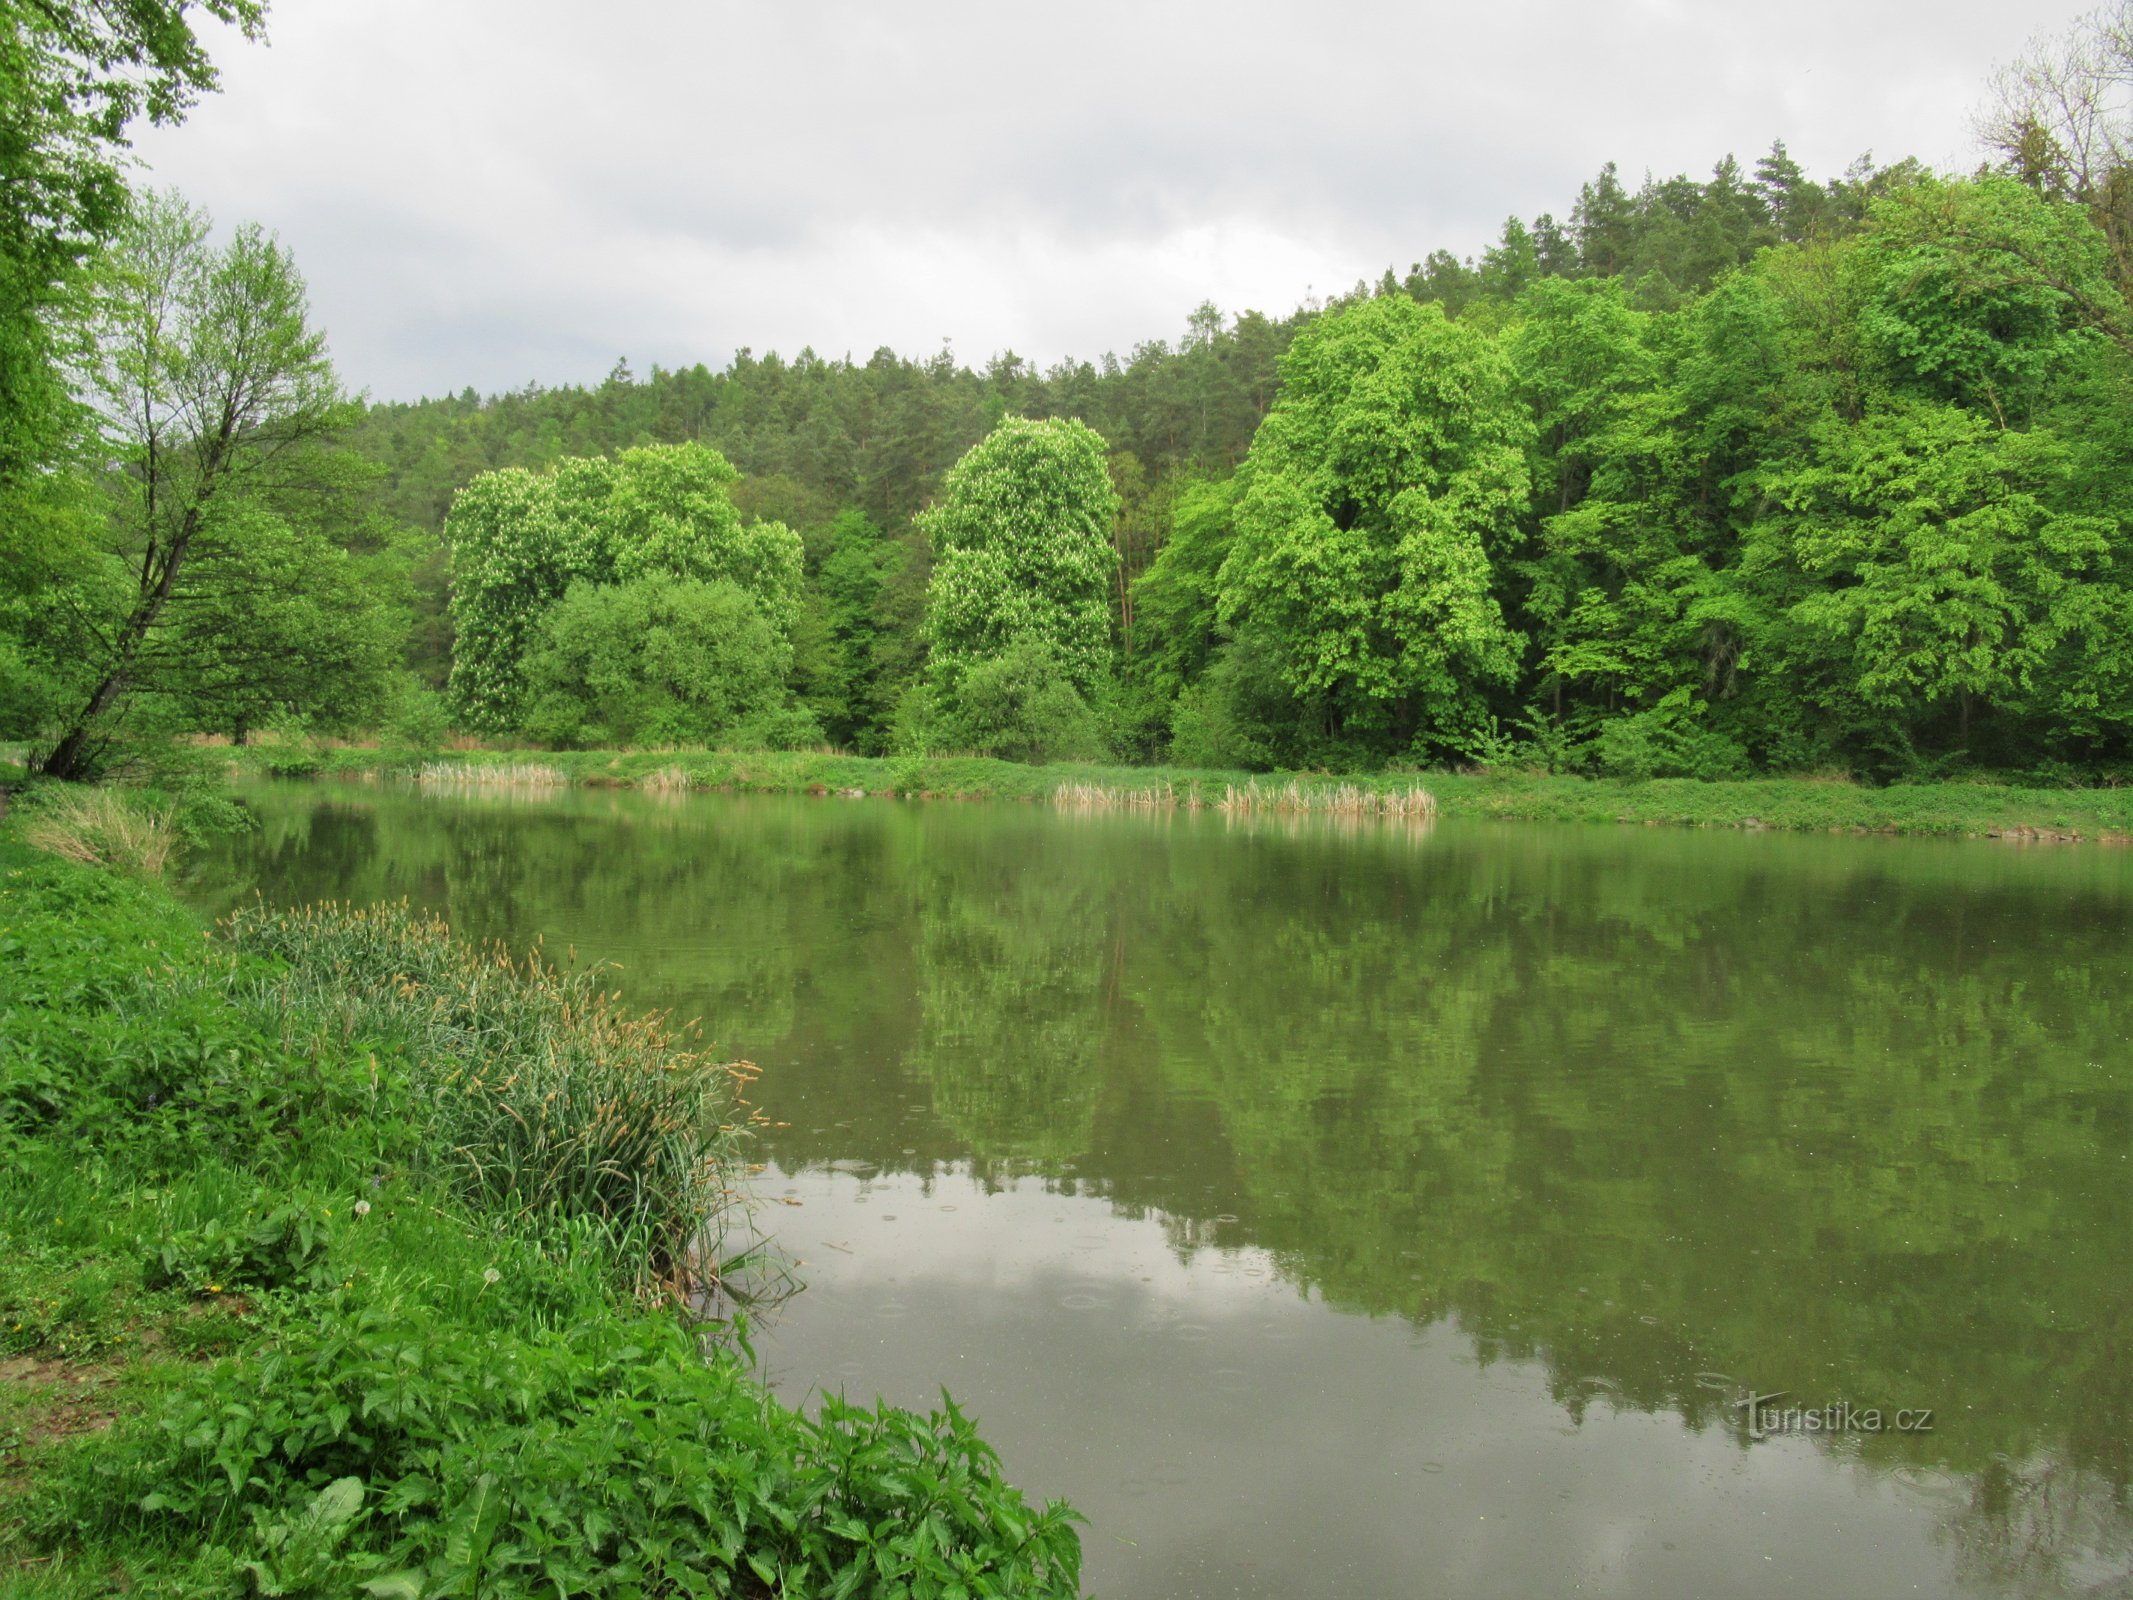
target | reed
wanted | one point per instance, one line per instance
(1116, 797)
(666, 780)
(1334, 800)
(106, 828)
(521, 775)
(545, 1098)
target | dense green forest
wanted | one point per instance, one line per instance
(1751, 473)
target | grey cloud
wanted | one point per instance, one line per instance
(478, 186)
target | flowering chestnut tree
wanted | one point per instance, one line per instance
(1022, 553)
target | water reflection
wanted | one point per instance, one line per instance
(1577, 1117)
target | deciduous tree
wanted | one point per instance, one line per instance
(1381, 489)
(211, 388)
(1022, 553)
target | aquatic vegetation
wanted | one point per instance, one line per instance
(491, 775)
(1342, 799)
(550, 1100)
(1074, 796)
(666, 780)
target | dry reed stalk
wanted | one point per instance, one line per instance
(1111, 797)
(488, 775)
(1340, 800)
(103, 828)
(667, 780)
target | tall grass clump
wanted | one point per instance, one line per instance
(666, 780)
(1081, 796)
(521, 775)
(545, 1099)
(105, 828)
(1413, 802)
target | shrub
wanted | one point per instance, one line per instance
(657, 661)
(418, 718)
(787, 728)
(1668, 741)
(1021, 705)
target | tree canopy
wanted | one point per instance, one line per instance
(520, 540)
(1382, 488)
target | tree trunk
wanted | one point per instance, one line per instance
(72, 760)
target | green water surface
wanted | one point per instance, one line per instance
(1393, 1210)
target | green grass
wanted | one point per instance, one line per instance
(1954, 808)
(299, 1295)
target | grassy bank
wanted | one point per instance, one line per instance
(1978, 809)
(336, 1258)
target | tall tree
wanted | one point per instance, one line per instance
(211, 388)
(1022, 553)
(1381, 489)
(73, 75)
(520, 540)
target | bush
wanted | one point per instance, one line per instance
(120, 1042)
(657, 661)
(417, 718)
(1020, 705)
(1668, 741)
(788, 728)
(1230, 717)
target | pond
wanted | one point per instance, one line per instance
(1390, 1208)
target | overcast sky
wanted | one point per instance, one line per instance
(488, 192)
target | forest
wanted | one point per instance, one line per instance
(1754, 473)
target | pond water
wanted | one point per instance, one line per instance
(1389, 1210)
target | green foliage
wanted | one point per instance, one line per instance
(547, 1099)
(274, 623)
(657, 660)
(368, 1454)
(1548, 490)
(1176, 599)
(72, 76)
(1941, 575)
(520, 541)
(215, 395)
(1601, 475)
(417, 716)
(1386, 480)
(1019, 705)
(112, 1058)
(1667, 741)
(1980, 292)
(839, 668)
(1022, 555)
(276, 1244)
(404, 1189)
